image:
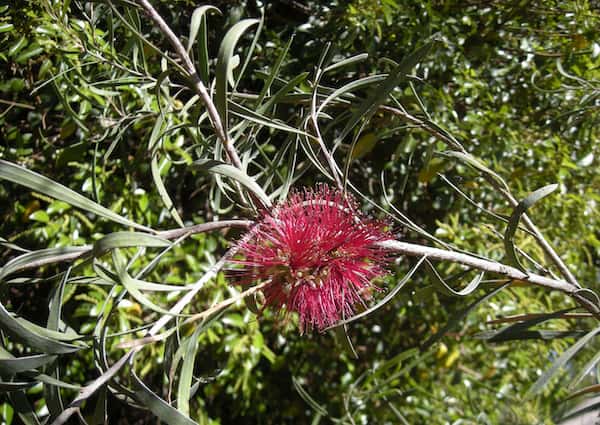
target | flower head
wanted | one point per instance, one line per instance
(318, 255)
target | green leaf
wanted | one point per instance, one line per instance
(585, 370)
(348, 61)
(164, 411)
(470, 160)
(442, 287)
(42, 257)
(457, 318)
(518, 329)
(90, 389)
(351, 86)
(234, 173)
(513, 222)
(543, 380)
(14, 365)
(132, 285)
(7, 387)
(32, 339)
(364, 145)
(162, 191)
(23, 408)
(307, 398)
(127, 239)
(5, 27)
(274, 72)
(379, 95)
(40, 215)
(34, 181)
(224, 66)
(198, 16)
(529, 334)
(187, 371)
(250, 115)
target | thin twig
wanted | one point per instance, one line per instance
(196, 81)
(226, 303)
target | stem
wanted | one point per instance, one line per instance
(198, 85)
(187, 298)
(512, 273)
(204, 227)
(226, 303)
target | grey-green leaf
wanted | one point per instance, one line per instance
(14, 365)
(42, 257)
(34, 340)
(164, 411)
(379, 95)
(542, 381)
(224, 65)
(442, 287)
(235, 174)
(34, 181)
(513, 222)
(197, 16)
(128, 239)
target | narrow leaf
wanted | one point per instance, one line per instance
(386, 299)
(90, 389)
(513, 222)
(129, 283)
(442, 287)
(543, 380)
(234, 173)
(34, 340)
(42, 257)
(164, 411)
(457, 318)
(383, 90)
(34, 181)
(224, 66)
(162, 191)
(197, 17)
(187, 372)
(348, 61)
(127, 239)
(12, 366)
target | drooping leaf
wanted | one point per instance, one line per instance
(379, 95)
(35, 259)
(34, 181)
(235, 174)
(458, 317)
(224, 66)
(35, 340)
(442, 287)
(513, 222)
(164, 411)
(127, 239)
(14, 365)
(386, 299)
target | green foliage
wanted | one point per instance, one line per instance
(116, 145)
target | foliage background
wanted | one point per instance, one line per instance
(516, 82)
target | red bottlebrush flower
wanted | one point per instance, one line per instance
(318, 255)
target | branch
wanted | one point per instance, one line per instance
(197, 82)
(512, 273)
(204, 227)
